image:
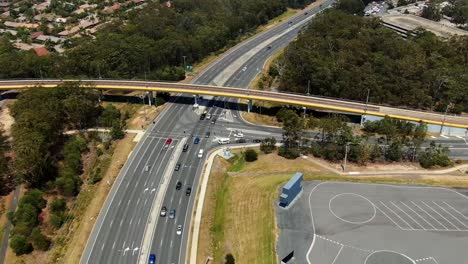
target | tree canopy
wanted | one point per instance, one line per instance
(344, 55)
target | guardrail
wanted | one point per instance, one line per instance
(279, 97)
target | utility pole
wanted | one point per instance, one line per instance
(185, 66)
(308, 88)
(345, 156)
(443, 120)
(365, 108)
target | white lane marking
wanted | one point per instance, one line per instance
(139, 219)
(433, 137)
(128, 202)
(418, 215)
(430, 215)
(456, 210)
(112, 221)
(440, 215)
(120, 202)
(113, 245)
(138, 201)
(408, 215)
(450, 214)
(444, 136)
(397, 215)
(336, 257)
(121, 222)
(131, 220)
(172, 243)
(102, 247)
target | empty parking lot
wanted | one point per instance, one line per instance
(361, 223)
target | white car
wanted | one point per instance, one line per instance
(208, 116)
(179, 230)
(238, 134)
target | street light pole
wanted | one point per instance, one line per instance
(308, 88)
(443, 121)
(345, 156)
(185, 66)
(365, 108)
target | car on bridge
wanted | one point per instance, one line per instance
(189, 191)
(172, 214)
(177, 167)
(186, 146)
(163, 211)
(178, 185)
(179, 230)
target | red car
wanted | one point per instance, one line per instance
(168, 141)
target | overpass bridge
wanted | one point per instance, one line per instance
(279, 97)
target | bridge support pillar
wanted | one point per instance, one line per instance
(150, 97)
(249, 106)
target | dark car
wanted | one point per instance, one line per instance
(189, 191)
(241, 140)
(381, 140)
(178, 185)
(196, 140)
(306, 13)
(207, 135)
(213, 120)
(172, 214)
(202, 116)
(152, 259)
(177, 167)
(185, 147)
(163, 211)
(269, 48)
(256, 140)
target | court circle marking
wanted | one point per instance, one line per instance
(380, 251)
(352, 222)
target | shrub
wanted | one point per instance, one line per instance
(289, 153)
(96, 176)
(40, 241)
(58, 205)
(20, 245)
(57, 220)
(117, 132)
(268, 145)
(250, 155)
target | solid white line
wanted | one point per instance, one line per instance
(408, 215)
(418, 215)
(450, 214)
(430, 215)
(456, 210)
(389, 218)
(440, 215)
(336, 257)
(411, 228)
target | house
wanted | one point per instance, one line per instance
(41, 51)
(35, 35)
(12, 32)
(4, 3)
(111, 9)
(21, 25)
(53, 39)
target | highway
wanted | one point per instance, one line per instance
(121, 226)
(125, 221)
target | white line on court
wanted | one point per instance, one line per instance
(390, 209)
(440, 215)
(430, 215)
(456, 210)
(418, 215)
(389, 218)
(408, 215)
(450, 214)
(336, 257)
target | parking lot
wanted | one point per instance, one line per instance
(348, 223)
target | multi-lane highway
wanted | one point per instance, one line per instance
(125, 220)
(126, 231)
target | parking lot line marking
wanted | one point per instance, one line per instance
(408, 215)
(440, 215)
(397, 215)
(430, 216)
(418, 215)
(389, 218)
(336, 257)
(450, 214)
(460, 213)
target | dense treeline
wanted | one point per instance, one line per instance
(344, 55)
(399, 140)
(150, 43)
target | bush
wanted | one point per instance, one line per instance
(268, 145)
(20, 245)
(22, 228)
(289, 153)
(68, 186)
(58, 205)
(96, 176)
(117, 132)
(57, 220)
(250, 155)
(40, 241)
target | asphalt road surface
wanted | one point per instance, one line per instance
(386, 224)
(118, 233)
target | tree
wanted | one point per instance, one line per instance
(58, 205)
(250, 155)
(351, 6)
(432, 11)
(268, 145)
(109, 116)
(292, 133)
(20, 245)
(117, 132)
(230, 259)
(39, 240)
(435, 156)
(395, 151)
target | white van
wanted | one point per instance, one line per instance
(200, 153)
(223, 141)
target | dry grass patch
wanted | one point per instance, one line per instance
(258, 119)
(5, 202)
(273, 163)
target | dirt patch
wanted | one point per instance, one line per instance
(6, 120)
(144, 115)
(259, 119)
